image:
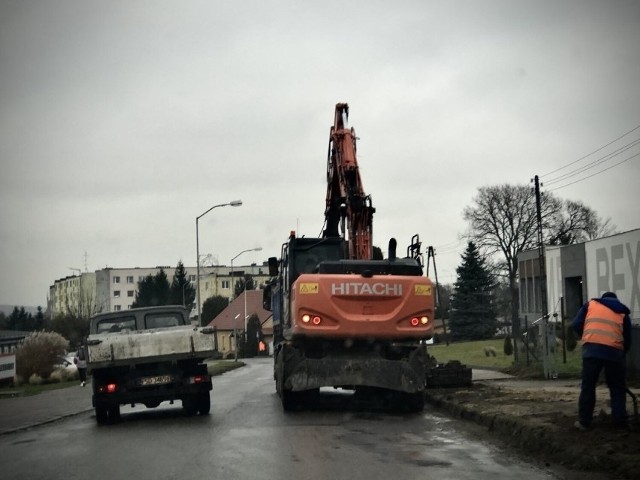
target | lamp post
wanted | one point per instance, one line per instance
(257, 249)
(234, 203)
(235, 336)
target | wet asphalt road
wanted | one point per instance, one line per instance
(248, 436)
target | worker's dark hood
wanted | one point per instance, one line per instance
(614, 304)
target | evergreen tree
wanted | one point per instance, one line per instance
(20, 320)
(212, 307)
(72, 327)
(240, 285)
(153, 291)
(508, 346)
(181, 291)
(473, 315)
(38, 319)
(254, 334)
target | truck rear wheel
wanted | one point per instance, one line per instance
(101, 414)
(204, 403)
(107, 413)
(190, 405)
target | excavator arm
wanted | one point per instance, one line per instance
(346, 201)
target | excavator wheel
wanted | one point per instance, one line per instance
(415, 402)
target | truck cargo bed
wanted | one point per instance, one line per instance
(146, 346)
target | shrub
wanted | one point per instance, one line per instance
(489, 352)
(35, 379)
(38, 353)
(63, 375)
(508, 347)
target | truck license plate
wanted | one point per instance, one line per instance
(157, 380)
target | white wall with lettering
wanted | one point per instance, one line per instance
(613, 264)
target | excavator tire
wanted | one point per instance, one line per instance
(415, 402)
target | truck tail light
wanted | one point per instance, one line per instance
(197, 379)
(108, 388)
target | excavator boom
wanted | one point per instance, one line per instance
(346, 201)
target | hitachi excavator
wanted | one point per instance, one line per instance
(342, 318)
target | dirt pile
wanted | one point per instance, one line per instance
(539, 417)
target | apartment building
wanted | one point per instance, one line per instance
(114, 289)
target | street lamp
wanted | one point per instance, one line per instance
(235, 336)
(257, 249)
(234, 203)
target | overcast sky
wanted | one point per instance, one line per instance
(122, 121)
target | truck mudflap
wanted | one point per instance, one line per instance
(402, 375)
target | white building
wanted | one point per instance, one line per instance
(114, 289)
(576, 273)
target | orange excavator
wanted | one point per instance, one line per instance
(342, 318)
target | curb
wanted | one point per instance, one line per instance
(43, 422)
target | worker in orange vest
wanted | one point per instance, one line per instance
(605, 328)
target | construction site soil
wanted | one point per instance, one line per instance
(537, 417)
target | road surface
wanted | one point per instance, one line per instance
(248, 436)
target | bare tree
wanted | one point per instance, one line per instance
(576, 223)
(83, 305)
(503, 222)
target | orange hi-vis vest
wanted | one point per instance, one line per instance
(604, 326)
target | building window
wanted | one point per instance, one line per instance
(128, 307)
(225, 283)
(117, 308)
(192, 278)
(130, 279)
(116, 293)
(140, 278)
(116, 279)
(129, 293)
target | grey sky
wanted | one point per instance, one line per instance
(121, 121)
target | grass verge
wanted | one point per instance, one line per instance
(218, 367)
(477, 354)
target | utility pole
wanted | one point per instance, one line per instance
(431, 255)
(543, 282)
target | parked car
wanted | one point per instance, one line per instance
(65, 362)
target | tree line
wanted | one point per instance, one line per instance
(502, 223)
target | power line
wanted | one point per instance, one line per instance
(594, 174)
(595, 151)
(594, 163)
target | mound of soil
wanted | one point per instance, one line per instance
(539, 417)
